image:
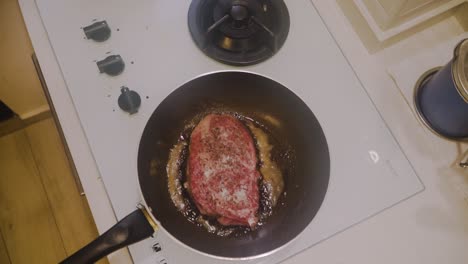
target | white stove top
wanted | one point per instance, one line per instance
(369, 172)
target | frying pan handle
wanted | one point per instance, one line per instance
(133, 228)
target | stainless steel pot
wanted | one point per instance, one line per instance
(441, 96)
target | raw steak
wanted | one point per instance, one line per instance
(222, 173)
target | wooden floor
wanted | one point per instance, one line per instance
(43, 218)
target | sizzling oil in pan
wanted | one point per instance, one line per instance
(275, 165)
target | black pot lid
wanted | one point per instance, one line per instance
(239, 32)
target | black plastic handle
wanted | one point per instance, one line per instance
(133, 228)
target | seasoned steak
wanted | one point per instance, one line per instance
(222, 170)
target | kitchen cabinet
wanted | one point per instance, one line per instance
(26, 221)
(20, 87)
(41, 207)
(4, 258)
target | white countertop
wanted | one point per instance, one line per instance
(431, 227)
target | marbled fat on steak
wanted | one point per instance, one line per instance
(222, 170)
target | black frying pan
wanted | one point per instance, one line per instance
(250, 95)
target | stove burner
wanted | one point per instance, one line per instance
(239, 32)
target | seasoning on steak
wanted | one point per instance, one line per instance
(222, 170)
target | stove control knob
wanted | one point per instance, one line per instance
(98, 31)
(129, 100)
(156, 247)
(112, 65)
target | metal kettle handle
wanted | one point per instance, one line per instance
(464, 160)
(456, 51)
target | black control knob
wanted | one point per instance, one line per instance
(156, 247)
(112, 65)
(98, 31)
(129, 100)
